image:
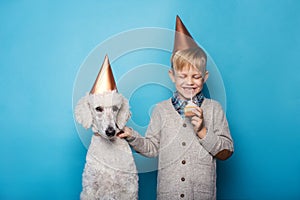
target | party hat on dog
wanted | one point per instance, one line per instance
(105, 80)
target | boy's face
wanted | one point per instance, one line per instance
(188, 82)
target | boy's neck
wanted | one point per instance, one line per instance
(198, 97)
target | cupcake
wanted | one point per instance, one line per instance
(188, 109)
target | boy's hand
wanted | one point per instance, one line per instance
(198, 122)
(127, 132)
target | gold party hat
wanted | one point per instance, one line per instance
(183, 39)
(105, 80)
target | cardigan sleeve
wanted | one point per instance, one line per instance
(218, 140)
(148, 145)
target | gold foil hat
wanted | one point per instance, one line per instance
(183, 39)
(105, 80)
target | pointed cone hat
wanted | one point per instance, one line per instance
(105, 80)
(183, 39)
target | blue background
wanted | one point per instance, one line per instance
(255, 45)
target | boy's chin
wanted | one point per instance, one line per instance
(187, 96)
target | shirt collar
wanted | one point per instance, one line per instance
(179, 104)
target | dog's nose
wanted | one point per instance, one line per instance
(110, 131)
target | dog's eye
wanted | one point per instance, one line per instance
(99, 109)
(115, 108)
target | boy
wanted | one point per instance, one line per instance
(188, 132)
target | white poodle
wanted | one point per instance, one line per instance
(110, 171)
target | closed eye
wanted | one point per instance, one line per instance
(197, 77)
(115, 108)
(182, 76)
(99, 109)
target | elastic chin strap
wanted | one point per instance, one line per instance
(120, 130)
(95, 130)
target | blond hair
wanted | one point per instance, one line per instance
(194, 57)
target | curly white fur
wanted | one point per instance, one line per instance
(110, 172)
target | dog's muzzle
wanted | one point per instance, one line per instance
(110, 131)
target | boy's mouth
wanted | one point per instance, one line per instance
(189, 89)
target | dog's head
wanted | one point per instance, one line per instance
(106, 113)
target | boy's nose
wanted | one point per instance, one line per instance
(189, 80)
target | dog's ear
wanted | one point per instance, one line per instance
(124, 114)
(83, 113)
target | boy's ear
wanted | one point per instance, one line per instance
(171, 74)
(206, 76)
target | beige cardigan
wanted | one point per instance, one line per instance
(187, 164)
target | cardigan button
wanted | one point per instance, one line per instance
(183, 143)
(182, 179)
(182, 195)
(184, 125)
(183, 162)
